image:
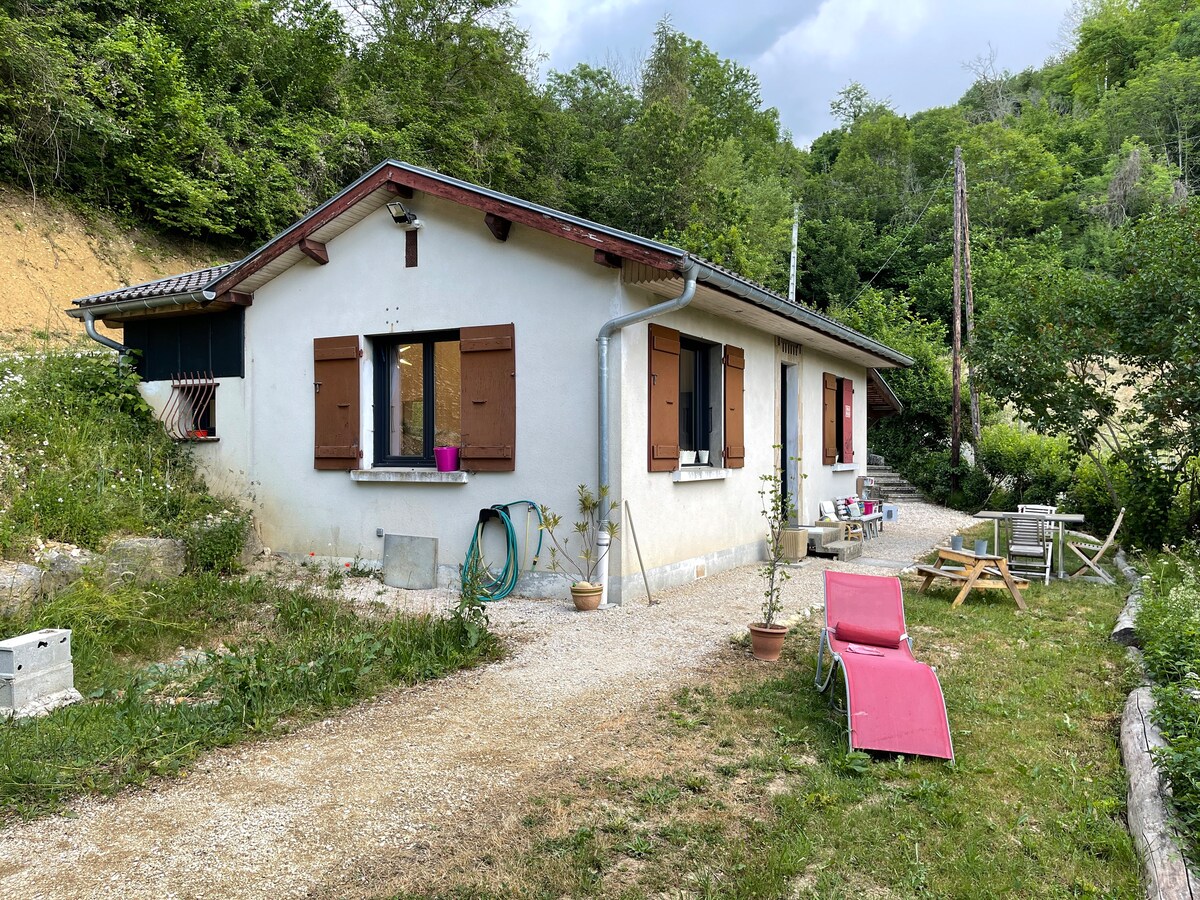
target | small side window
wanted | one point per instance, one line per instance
(191, 413)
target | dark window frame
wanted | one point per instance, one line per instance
(701, 425)
(382, 344)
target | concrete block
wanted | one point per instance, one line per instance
(410, 561)
(845, 550)
(17, 693)
(30, 653)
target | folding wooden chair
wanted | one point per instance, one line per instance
(1090, 549)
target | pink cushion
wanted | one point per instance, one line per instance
(860, 634)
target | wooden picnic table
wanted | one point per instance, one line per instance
(1061, 519)
(977, 571)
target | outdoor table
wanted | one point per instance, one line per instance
(1063, 519)
(982, 571)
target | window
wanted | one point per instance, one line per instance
(683, 372)
(190, 414)
(695, 402)
(453, 388)
(418, 389)
(837, 419)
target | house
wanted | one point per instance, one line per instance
(316, 376)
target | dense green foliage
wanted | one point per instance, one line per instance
(282, 653)
(1168, 624)
(228, 119)
(82, 458)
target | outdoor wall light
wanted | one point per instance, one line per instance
(403, 216)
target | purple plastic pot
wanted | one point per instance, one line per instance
(446, 458)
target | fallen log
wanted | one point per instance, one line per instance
(1155, 836)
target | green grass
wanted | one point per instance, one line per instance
(274, 657)
(744, 788)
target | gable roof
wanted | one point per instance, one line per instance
(392, 179)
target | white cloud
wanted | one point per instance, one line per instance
(555, 25)
(837, 29)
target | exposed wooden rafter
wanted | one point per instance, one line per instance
(609, 260)
(404, 183)
(314, 250)
(498, 226)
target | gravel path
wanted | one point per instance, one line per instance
(338, 804)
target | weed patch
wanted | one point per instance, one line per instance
(267, 657)
(83, 458)
(1168, 624)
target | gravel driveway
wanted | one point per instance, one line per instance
(332, 806)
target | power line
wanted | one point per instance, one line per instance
(911, 228)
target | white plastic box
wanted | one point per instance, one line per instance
(891, 512)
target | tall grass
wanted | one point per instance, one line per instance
(274, 653)
(82, 457)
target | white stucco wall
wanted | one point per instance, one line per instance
(691, 529)
(558, 298)
(550, 288)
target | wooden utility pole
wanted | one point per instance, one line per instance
(970, 295)
(956, 328)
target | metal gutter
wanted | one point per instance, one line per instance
(141, 303)
(607, 330)
(89, 325)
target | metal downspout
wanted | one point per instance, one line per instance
(607, 330)
(89, 325)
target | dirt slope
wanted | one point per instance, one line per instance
(52, 256)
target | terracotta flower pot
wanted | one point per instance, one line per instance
(586, 595)
(766, 641)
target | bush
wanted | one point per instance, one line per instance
(1168, 625)
(215, 544)
(1032, 467)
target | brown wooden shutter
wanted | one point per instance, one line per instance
(489, 398)
(663, 449)
(829, 414)
(336, 393)
(847, 412)
(735, 408)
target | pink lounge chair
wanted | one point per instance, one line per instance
(893, 702)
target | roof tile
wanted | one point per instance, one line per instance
(163, 287)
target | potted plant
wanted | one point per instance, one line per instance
(580, 565)
(766, 637)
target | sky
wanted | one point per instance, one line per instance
(908, 52)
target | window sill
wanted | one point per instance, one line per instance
(408, 476)
(698, 473)
(844, 467)
(210, 439)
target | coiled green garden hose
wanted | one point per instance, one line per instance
(497, 587)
